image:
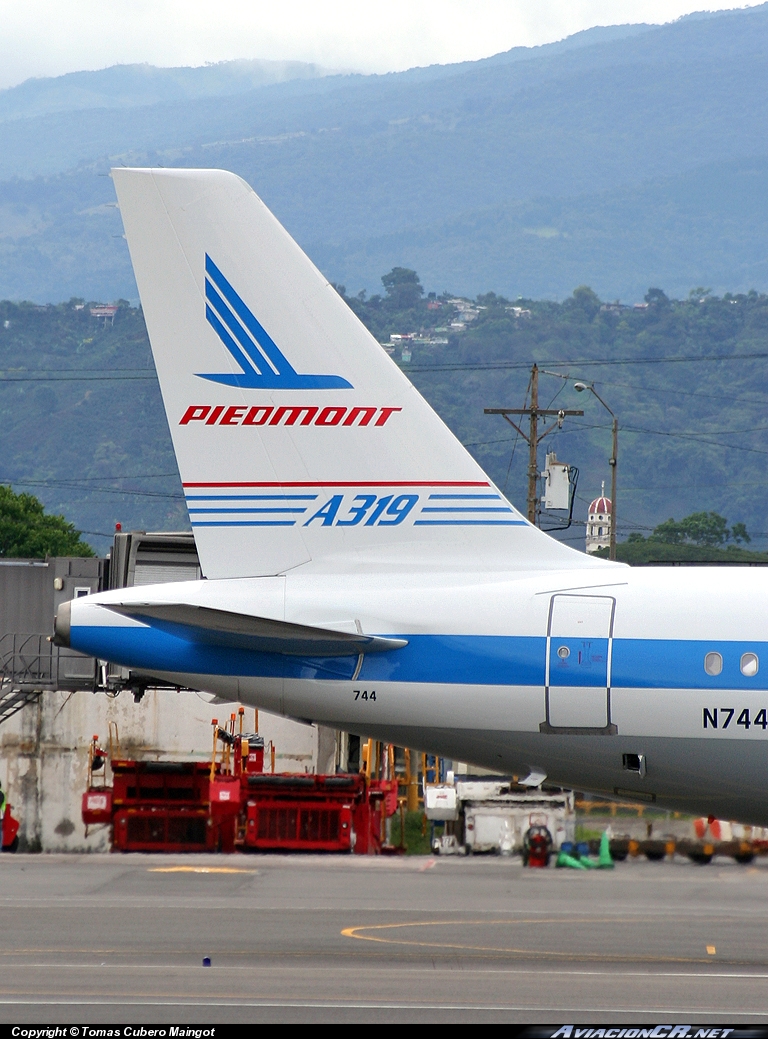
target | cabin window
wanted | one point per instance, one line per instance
(713, 663)
(749, 664)
(563, 652)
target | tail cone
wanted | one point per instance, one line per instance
(62, 624)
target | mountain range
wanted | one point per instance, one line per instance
(622, 157)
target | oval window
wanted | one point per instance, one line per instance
(713, 663)
(563, 652)
(749, 664)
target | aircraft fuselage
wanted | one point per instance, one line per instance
(646, 684)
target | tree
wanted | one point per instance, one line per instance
(403, 288)
(490, 299)
(584, 301)
(739, 533)
(657, 298)
(708, 529)
(27, 531)
(670, 532)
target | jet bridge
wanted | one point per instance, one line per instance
(138, 558)
(31, 591)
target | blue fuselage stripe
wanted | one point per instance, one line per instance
(252, 509)
(437, 659)
(243, 523)
(468, 523)
(250, 498)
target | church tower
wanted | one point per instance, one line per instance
(599, 521)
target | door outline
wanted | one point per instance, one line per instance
(609, 729)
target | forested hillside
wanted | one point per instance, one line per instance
(83, 425)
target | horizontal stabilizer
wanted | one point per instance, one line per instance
(258, 634)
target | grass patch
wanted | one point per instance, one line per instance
(584, 833)
(416, 842)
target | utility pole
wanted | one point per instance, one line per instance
(533, 443)
(613, 461)
(533, 438)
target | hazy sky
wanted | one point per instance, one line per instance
(50, 37)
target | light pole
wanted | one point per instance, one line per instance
(613, 461)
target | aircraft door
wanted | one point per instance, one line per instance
(578, 665)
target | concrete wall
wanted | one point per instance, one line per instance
(44, 752)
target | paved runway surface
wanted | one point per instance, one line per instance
(120, 939)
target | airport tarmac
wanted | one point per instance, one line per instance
(90, 940)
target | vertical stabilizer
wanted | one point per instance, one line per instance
(297, 437)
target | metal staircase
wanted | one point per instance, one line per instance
(13, 699)
(30, 665)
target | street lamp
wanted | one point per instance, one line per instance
(580, 387)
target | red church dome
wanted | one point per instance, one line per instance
(601, 506)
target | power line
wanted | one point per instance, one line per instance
(80, 378)
(515, 442)
(126, 476)
(520, 365)
(561, 432)
(696, 438)
(40, 481)
(680, 393)
(699, 438)
(131, 492)
(73, 375)
(100, 368)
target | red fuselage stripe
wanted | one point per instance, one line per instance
(350, 483)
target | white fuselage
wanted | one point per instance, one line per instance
(579, 674)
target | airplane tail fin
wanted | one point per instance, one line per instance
(297, 438)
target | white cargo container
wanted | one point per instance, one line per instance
(441, 803)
